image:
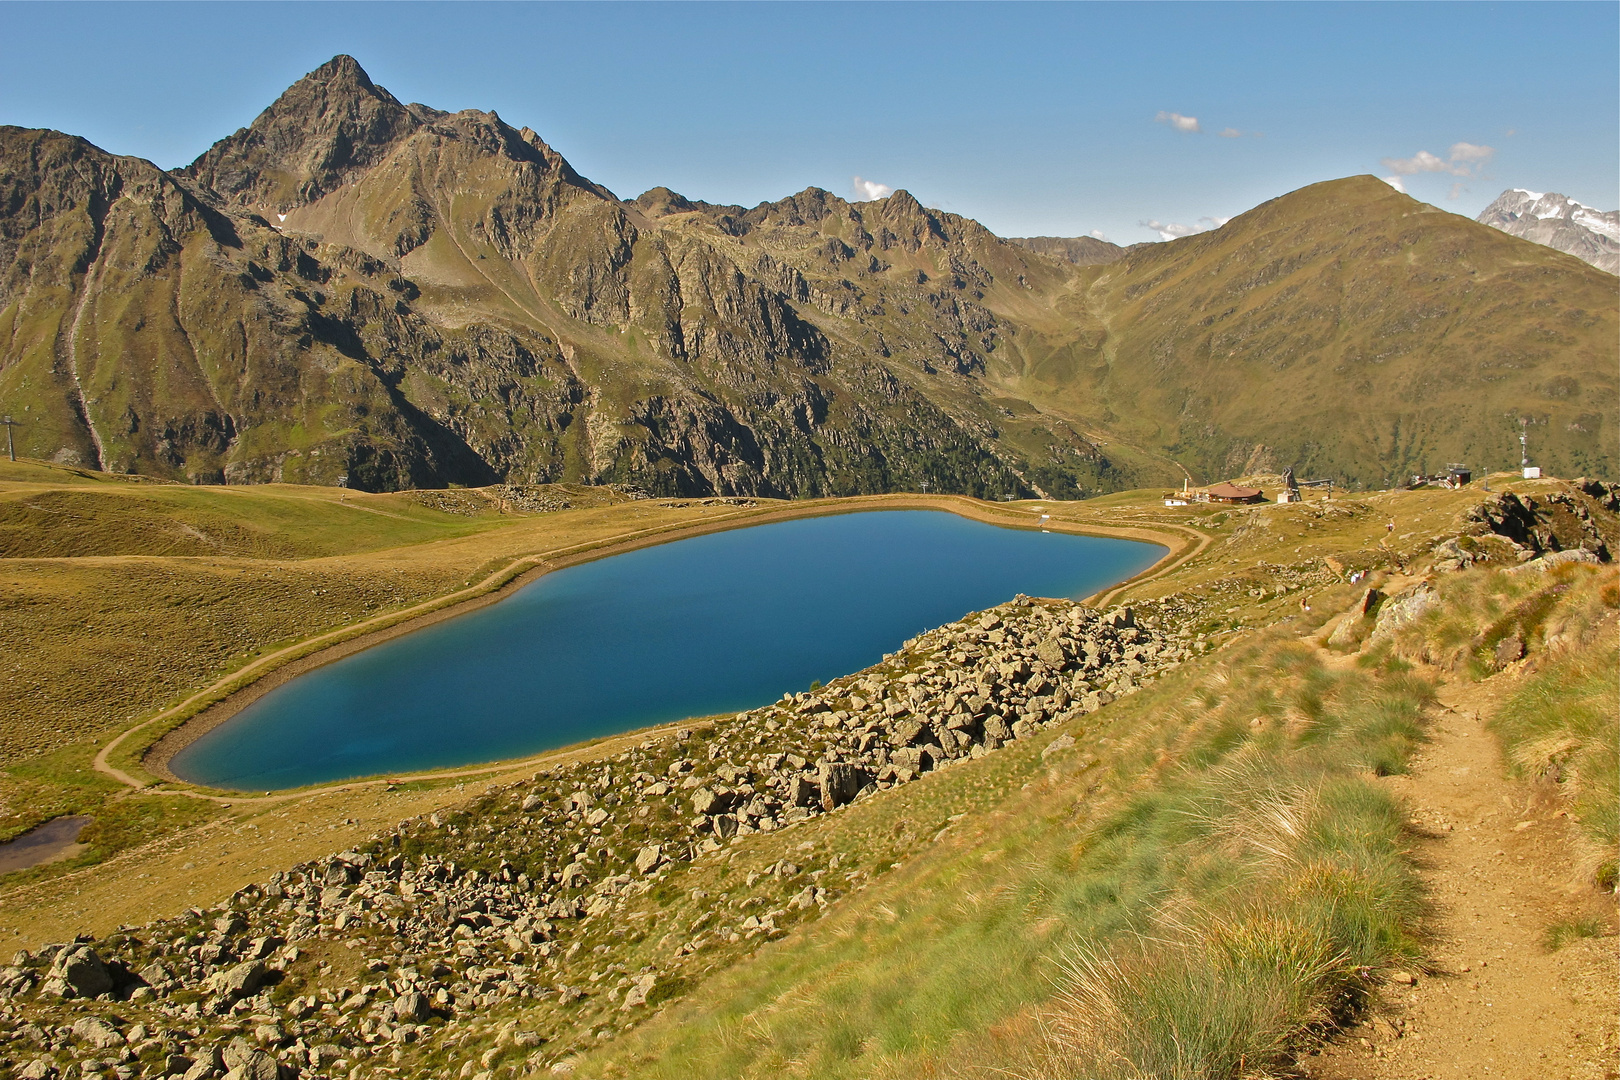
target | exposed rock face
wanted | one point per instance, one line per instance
(1560, 223)
(329, 125)
(295, 306)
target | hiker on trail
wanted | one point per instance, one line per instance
(1390, 527)
(1305, 604)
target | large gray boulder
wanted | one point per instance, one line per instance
(912, 732)
(1050, 652)
(1403, 609)
(802, 792)
(241, 980)
(244, 1061)
(841, 782)
(713, 801)
(209, 1062)
(81, 971)
(649, 858)
(916, 759)
(97, 1032)
(411, 1008)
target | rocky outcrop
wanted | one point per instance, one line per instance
(1403, 609)
(1530, 526)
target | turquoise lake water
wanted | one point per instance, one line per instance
(717, 623)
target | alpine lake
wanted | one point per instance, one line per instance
(712, 624)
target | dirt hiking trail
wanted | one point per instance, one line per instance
(1502, 862)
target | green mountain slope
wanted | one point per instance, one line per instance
(1349, 330)
(357, 286)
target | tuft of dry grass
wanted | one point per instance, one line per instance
(1562, 724)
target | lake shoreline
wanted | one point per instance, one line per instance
(156, 758)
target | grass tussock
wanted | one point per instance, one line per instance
(1287, 889)
(1561, 933)
(1562, 725)
(1206, 880)
(1486, 620)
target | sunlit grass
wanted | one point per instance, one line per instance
(1225, 880)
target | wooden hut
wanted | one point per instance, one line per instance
(1231, 493)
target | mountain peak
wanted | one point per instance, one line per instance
(1558, 222)
(329, 123)
(660, 202)
(341, 68)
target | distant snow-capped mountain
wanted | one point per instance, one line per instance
(1558, 222)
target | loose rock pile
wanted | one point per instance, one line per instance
(452, 915)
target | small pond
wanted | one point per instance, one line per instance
(711, 624)
(45, 843)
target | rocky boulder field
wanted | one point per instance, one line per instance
(502, 924)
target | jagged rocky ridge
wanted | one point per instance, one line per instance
(353, 286)
(467, 911)
(1560, 223)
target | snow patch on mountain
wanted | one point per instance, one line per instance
(1559, 222)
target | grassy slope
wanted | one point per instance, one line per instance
(1560, 725)
(56, 512)
(1209, 879)
(1163, 821)
(1354, 331)
(1153, 824)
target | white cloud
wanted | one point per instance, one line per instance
(1167, 230)
(1422, 161)
(867, 190)
(1231, 133)
(1463, 159)
(1171, 230)
(1188, 124)
(1098, 234)
(1456, 189)
(1469, 152)
(1395, 182)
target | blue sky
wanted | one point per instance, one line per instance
(1055, 119)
